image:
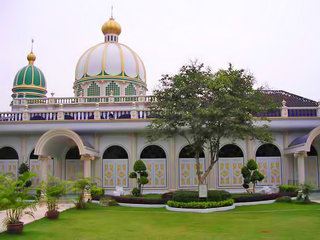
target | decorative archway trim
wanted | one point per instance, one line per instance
(84, 149)
(303, 143)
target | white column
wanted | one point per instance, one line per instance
(133, 157)
(250, 153)
(301, 156)
(172, 167)
(44, 160)
(87, 165)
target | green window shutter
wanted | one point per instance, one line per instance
(93, 90)
(114, 88)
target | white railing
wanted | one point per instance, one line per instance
(61, 115)
(85, 100)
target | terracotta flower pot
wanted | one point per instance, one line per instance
(15, 228)
(52, 214)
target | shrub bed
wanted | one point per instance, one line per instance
(284, 199)
(97, 193)
(138, 200)
(200, 205)
(255, 197)
(193, 196)
(288, 189)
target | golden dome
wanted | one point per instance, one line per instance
(111, 27)
(31, 58)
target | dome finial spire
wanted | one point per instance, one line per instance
(111, 11)
(31, 57)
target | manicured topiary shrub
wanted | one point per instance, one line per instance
(288, 189)
(97, 193)
(141, 175)
(193, 196)
(251, 174)
(200, 205)
(255, 197)
(286, 199)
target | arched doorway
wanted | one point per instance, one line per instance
(155, 159)
(268, 158)
(35, 167)
(311, 168)
(229, 165)
(187, 167)
(74, 166)
(115, 167)
(9, 161)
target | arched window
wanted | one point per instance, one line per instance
(230, 151)
(8, 153)
(153, 151)
(311, 168)
(74, 166)
(9, 161)
(188, 152)
(188, 168)
(35, 167)
(268, 150)
(155, 159)
(130, 90)
(229, 165)
(268, 158)
(93, 90)
(114, 88)
(115, 167)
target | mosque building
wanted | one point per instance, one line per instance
(100, 131)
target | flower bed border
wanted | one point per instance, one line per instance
(200, 210)
(139, 205)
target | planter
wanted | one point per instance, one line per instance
(198, 210)
(52, 214)
(15, 228)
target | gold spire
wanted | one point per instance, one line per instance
(111, 26)
(31, 57)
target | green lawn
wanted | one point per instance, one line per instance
(273, 221)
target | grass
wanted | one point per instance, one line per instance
(273, 221)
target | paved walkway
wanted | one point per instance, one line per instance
(38, 214)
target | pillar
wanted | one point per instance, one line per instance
(301, 156)
(87, 165)
(44, 162)
(133, 157)
(172, 170)
(250, 153)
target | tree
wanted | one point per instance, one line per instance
(251, 174)
(205, 107)
(141, 176)
(22, 169)
(82, 186)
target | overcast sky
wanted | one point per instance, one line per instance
(278, 41)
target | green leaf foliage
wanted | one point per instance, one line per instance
(204, 106)
(200, 205)
(252, 165)
(139, 166)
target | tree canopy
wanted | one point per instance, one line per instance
(205, 107)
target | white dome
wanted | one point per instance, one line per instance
(110, 60)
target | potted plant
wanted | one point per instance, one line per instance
(251, 174)
(82, 187)
(13, 197)
(53, 190)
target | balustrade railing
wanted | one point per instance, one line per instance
(85, 100)
(100, 114)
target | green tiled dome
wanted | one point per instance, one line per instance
(29, 81)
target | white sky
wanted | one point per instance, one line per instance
(277, 40)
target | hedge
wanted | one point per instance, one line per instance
(193, 196)
(97, 193)
(255, 197)
(288, 189)
(200, 205)
(138, 200)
